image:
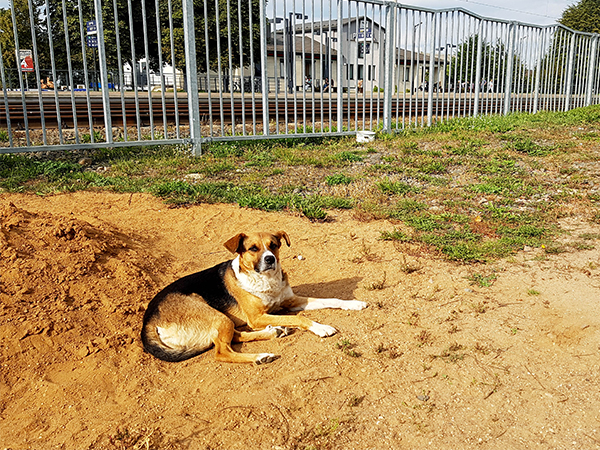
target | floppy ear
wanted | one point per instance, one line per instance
(234, 245)
(284, 235)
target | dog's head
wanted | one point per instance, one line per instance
(259, 252)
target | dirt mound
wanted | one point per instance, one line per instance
(446, 356)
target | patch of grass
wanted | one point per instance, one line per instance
(395, 187)
(337, 179)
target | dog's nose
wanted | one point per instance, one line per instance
(270, 259)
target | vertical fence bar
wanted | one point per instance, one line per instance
(538, 70)
(53, 67)
(340, 67)
(589, 89)
(20, 72)
(508, 82)
(120, 63)
(174, 65)
(570, 65)
(5, 97)
(389, 57)
(263, 64)
(161, 69)
(431, 71)
(478, 69)
(189, 35)
(103, 72)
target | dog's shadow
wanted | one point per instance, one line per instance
(342, 289)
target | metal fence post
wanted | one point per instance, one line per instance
(431, 72)
(191, 72)
(478, 69)
(591, 69)
(340, 71)
(538, 73)
(569, 87)
(263, 69)
(509, 68)
(103, 72)
(388, 74)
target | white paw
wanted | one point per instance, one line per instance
(279, 331)
(264, 358)
(322, 330)
(353, 305)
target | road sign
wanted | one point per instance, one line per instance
(91, 40)
(91, 27)
(26, 59)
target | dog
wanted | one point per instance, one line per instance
(203, 309)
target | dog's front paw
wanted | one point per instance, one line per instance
(264, 358)
(354, 305)
(279, 331)
(322, 330)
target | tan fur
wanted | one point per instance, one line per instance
(186, 324)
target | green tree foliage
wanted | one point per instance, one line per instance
(583, 16)
(210, 20)
(494, 57)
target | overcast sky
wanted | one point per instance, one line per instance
(537, 12)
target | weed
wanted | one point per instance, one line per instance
(4, 136)
(348, 348)
(365, 254)
(533, 292)
(355, 400)
(482, 280)
(451, 354)
(339, 178)
(424, 338)
(377, 285)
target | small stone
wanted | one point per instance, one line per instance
(85, 162)
(423, 398)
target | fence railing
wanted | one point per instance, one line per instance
(105, 74)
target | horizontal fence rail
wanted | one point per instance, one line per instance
(93, 74)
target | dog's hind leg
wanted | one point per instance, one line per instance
(223, 334)
(262, 335)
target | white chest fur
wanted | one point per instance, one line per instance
(268, 286)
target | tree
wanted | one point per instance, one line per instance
(583, 16)
(220, 31)
(494, 57)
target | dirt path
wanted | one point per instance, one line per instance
(434, 362)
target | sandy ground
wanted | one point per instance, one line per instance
(434, 362)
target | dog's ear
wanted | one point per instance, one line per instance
(284, 235)
(234, 245)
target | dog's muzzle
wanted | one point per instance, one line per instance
(267, 262)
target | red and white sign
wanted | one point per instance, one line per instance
(26, 58)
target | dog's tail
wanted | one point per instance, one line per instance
(154, 345)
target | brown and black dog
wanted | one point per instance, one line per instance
(203, 309)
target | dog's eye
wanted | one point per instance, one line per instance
(273, 246)
(253, 249)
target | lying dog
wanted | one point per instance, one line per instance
(199, 310)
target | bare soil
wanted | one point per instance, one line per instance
(436, 361)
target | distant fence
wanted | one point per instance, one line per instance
(179, 72)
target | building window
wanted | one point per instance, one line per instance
(364, 47)
(370, 72)
(350, 72)
(361, 72)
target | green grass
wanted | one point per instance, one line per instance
(469, 189)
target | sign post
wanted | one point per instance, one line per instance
(91, 41)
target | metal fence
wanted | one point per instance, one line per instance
(94, 74)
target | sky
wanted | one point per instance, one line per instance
(536, 12)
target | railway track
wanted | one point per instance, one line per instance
(233, 108)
